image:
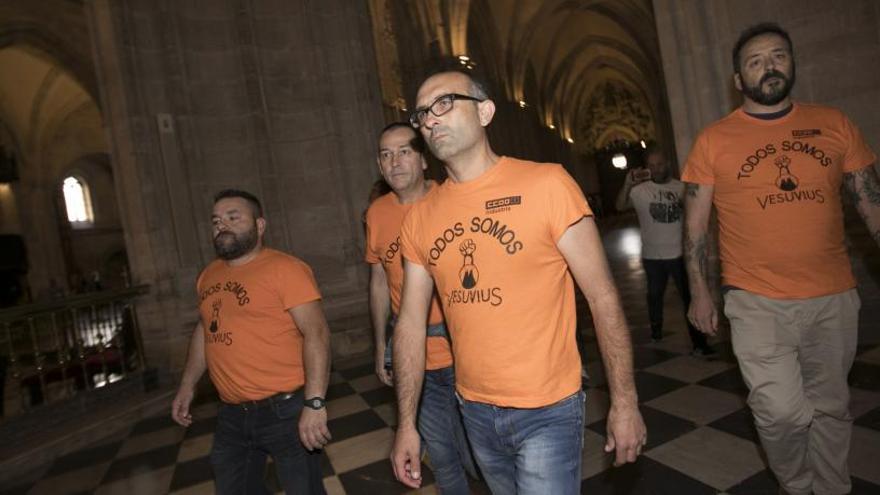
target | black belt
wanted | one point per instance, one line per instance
(268, 401)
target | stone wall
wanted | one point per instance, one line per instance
(836, 46)
(278, 97)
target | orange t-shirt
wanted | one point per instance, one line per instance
(252, 345)
(777, 193)
(508, 297)
(384, 219)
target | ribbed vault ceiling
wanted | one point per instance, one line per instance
(570, 59)
(36, 96)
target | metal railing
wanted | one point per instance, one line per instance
(56, 350)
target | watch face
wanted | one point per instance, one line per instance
(315, 403)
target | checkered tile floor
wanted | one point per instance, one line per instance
(701, 438)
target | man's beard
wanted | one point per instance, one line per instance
(774, 96)
(238, 246)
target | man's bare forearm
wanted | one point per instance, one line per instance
(582, 249)
(310, 320)
(863, 187)
(697, 257)
(380, 305)
(316, 361)
(615, 345)
(195, 360)
(696, 235)
(623, 201)
(409, 368)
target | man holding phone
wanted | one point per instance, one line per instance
(658, 199)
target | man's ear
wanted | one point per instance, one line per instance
(486, 110)
(261, 225)
(737, 81)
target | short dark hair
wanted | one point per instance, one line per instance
(417, 142)
(753, 32)
(252, 201)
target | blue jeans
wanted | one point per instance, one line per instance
(528, 451)
(441, 428)
(247, 434)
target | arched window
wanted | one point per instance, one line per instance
(78, 201)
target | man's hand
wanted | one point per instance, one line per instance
(635, 179)
(385, 375)
(405, 457)
(703, 314)
(627, 434)
(180, 407)
(313, 430)
(192, 372)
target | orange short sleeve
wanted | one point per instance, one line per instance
(296, 283)
(371, 254)
(698, 167)
(409, 240)
(566, 203)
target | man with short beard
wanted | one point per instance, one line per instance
(659, 204)
(265, 342)
(773, 169)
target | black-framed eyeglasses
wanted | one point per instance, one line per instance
(440, 106)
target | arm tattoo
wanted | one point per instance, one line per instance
(696, 253)
(862, 185)
(691, 189)
(864, 190)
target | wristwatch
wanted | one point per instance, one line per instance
(315, 403)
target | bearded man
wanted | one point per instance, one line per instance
(265, 342)
(773, 170)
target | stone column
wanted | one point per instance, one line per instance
(278, 97)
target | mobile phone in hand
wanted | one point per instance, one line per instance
(642, 174)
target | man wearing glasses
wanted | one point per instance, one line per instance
(402, 165)
(504, 240)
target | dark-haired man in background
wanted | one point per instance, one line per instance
(266, 344)
(773, 169)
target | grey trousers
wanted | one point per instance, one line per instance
(795, 356)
